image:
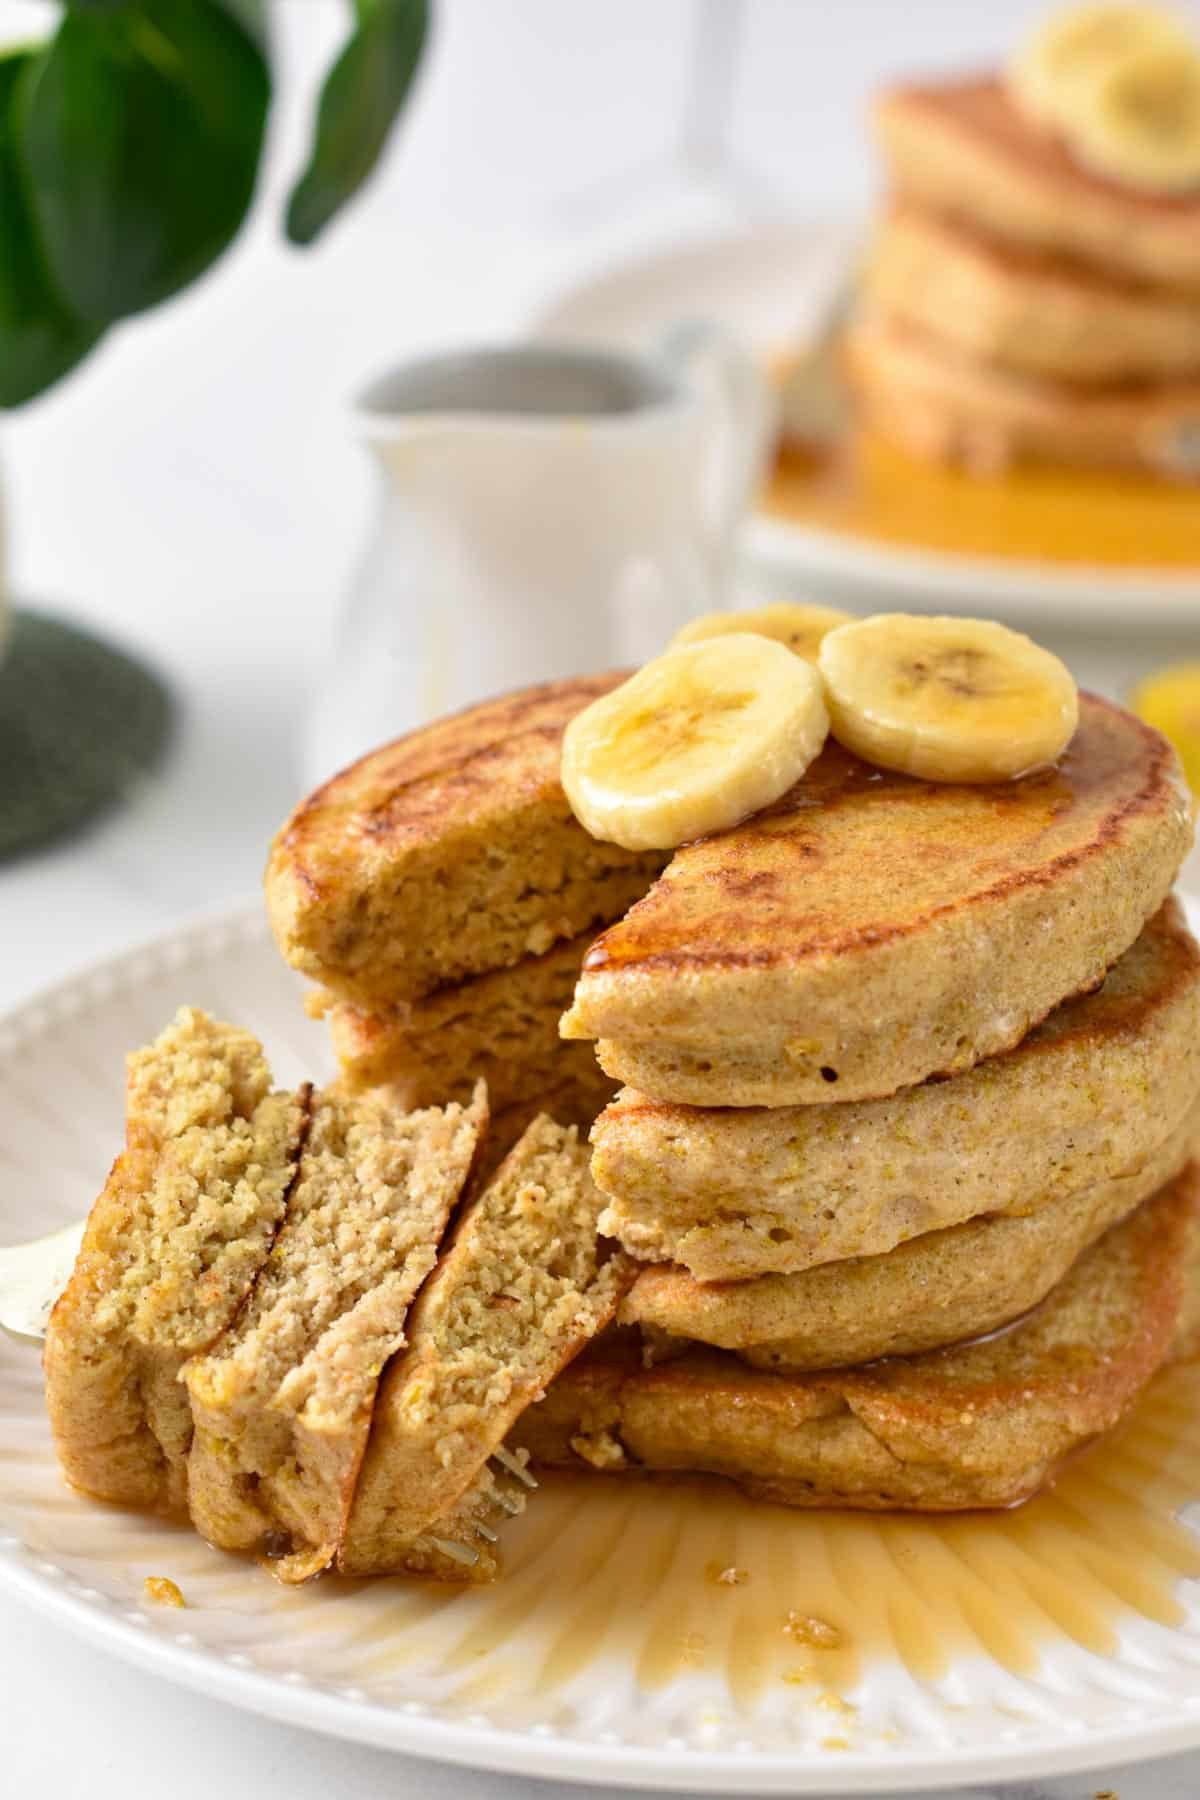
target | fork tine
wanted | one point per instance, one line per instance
(459, 1553)
(509, 1502)
(485, 1531)
(515, 1466)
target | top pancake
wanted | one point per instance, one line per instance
(869, 930)
(446, 854)
(963, 148)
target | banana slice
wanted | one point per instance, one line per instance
(1139, 123)
(1170, 701)
(696, 741)
(800, 628)
(1073, 48)
(947, 699)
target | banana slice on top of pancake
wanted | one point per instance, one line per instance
(696, 741)
(955, 700)
(1078, 45)
(797, 626)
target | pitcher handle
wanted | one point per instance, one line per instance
(740, 428)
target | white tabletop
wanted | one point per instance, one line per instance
(195, 491)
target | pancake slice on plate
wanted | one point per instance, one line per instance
(282, 1403)
(524, 1285)
(173, 1245)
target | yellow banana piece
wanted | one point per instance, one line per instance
(696, 741)
(1078, 45)
(1170, 701)
(1139, 123)
(953, 700)
(798, 626)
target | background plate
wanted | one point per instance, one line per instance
(609, 1653)
(764, 282)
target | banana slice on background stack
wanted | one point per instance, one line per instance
(1072, 48)
(696, 741)
(799, 627)
(1121, 85)
(954, 700)
(1140, 122)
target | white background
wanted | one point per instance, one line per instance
(195, 491)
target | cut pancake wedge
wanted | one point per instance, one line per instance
(981, 1425)
(501, 1027)
(871, 930)
(447, 854)
(282, 1403)
(1090, 1097)
(185, 1221)
(524, 1286)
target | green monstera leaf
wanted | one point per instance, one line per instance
(143, 124)
(129, 150)
(360, 101)
(40, 338)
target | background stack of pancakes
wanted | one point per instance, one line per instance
(911, 1076)
(1016, 302)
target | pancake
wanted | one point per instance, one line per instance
(282, 1403)
(446, 854)
(1088, 1097)
(172, 1249)
(947, 406)
(962, 148)
(522, 1288)
(501, 1027)
(982, 1425)
(941, 1288)
(871, 930)
(1028, 311)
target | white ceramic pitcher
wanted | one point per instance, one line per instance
(546, 511)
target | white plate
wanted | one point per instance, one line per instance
(762, 282)
(538, 1675)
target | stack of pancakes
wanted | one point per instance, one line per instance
(911, 1077)
(1016, 303)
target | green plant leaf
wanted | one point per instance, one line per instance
(40, 339)
(360, 101)
(249, 13)
(143, 125)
